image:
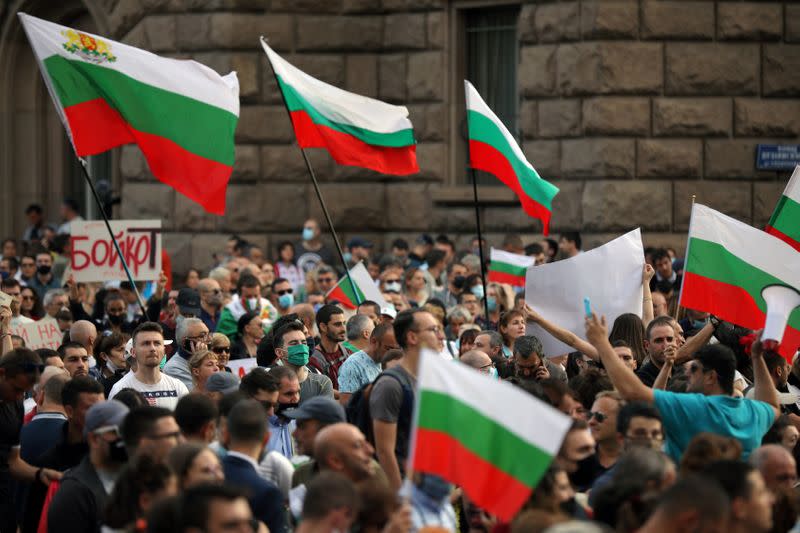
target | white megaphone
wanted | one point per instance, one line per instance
(781, 301)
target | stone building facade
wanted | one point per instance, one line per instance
(629, 106)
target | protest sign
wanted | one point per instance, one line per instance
(94, 257)
(610, 276)
(40, 334)
(240, 367)
(5, 299)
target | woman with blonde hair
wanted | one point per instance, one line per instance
(202, 365)
(221, 346)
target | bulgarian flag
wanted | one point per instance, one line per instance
(506, 267)
(181, 114)
(728, 266)
(785, 221)
(356, 130)
(365, 289)
(493, 149)
(489, 437)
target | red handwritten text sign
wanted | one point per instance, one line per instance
(94, 257)
(40, 334)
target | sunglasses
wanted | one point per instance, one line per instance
(599, 416)
(221, 349)
(392, 281)
(284, 291)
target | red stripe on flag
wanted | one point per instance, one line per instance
(782, 236)
(505, 277)
(339, 295)
(97, 127)
(490, 488)
(733, 304)
(347, 150)
(486, 157)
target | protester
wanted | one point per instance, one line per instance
(291, 346)
(249, 332)
(195, 464)
(192, 337)
(142, 482)
(151, 431)
(362, 367)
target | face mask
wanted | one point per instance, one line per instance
(282, 407)
(286, 300)
(44, 269)
(435, 487)
(424, 267)
(491, 303)
(347, 257)
(4, 275)
(698, 324)
(117, 452)
(298, 354)
(493, 373)
(116, 320)
(317, 307)
(458, 282)
(477, 290)
(163, 362)
(310, 342)
(393, 286)
(111, 366)
(308, 234)
(252, 304)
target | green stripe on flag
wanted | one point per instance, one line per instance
(786, 218)
(196, 126)
(712, 260)
(483, 436)
(297, 102)
(482, 129)
(514, 270)
(347, 289)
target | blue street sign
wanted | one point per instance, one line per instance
(777, 156)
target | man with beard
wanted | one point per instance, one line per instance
(329, 356)
(280, 426)
(79, 503)
(211, 300)
(528, 363)
(291, 348)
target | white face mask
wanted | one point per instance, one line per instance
(252, 303)
(393, 286)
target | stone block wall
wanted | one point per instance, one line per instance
(629, 106)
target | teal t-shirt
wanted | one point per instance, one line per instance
(685, 415)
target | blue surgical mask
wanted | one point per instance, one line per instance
(491, 303)
(347, 257)
(308, 234)
(435, 487)
(698, 324)
(477, 290)
(163, 362)
(286, 300)
(493, 373)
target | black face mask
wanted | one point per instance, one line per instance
(458, 282)
(44, 269)
(117, 451)
(116, 320)
(282, 407)
(310, 342)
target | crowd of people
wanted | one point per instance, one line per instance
(680, 421)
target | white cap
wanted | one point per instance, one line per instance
(389, 311)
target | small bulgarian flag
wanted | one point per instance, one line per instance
(493, 149)
(785, 220)
(728, 266)
(181, 114)
(365, 289)
(506, 267)
(356, 130)
(490, 438)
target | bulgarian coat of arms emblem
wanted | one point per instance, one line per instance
(87, 47)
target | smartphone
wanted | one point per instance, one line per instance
(587, 306)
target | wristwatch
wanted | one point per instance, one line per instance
(714, 321)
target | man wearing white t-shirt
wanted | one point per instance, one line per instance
(158, 388)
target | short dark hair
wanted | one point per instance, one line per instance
(632, 409)
(326, 312)
(658, 321)
(77, 385)
(62, 350)
(20, 361)
(105, 343)
(588, 384)
(71, 204)
(326, 492)
(34, 208)
(194, 411)
(229, 400)
(194, 503)
(142, 475)
(403, 323)
(131, 397)
(659, 253)
(139, 422)
(147, 326)
(247, 422)
(573, 236)
(527, 345)
(277, 337)
(698, 493)
(534, 249)
(619, 343)
(370, 303)
(10, 283)
(719, 358)
(246, 280)
(282, 372)
(46, 353)
(256, 380)
(732, 477)
(435, 256)
(244, 320)
(773, 360)
(400, 244)
(278, 280)
(380, 330)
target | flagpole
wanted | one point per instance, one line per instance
(683, 278)
(110, 232)
(480, 242)
(316, 189)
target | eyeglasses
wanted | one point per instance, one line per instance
(434, 329)
(284, 291)
(655, 435)
(392, 281)
(597, 415)
(221, 349)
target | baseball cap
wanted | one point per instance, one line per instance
(318, 408)
(358, 242)
(107, 414)
(223, 382)
(188, 302)
(391, 312)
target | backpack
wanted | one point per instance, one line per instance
(358, 412)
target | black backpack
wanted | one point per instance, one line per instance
(358, 412)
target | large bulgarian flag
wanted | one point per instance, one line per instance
(356, 130)
(729, 264)
(365, 289)
(489, 437)
(181, 114)
(785, 220)
(493, 149)
(505, 267)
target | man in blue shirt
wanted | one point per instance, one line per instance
(364, 366)
(708, 405)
